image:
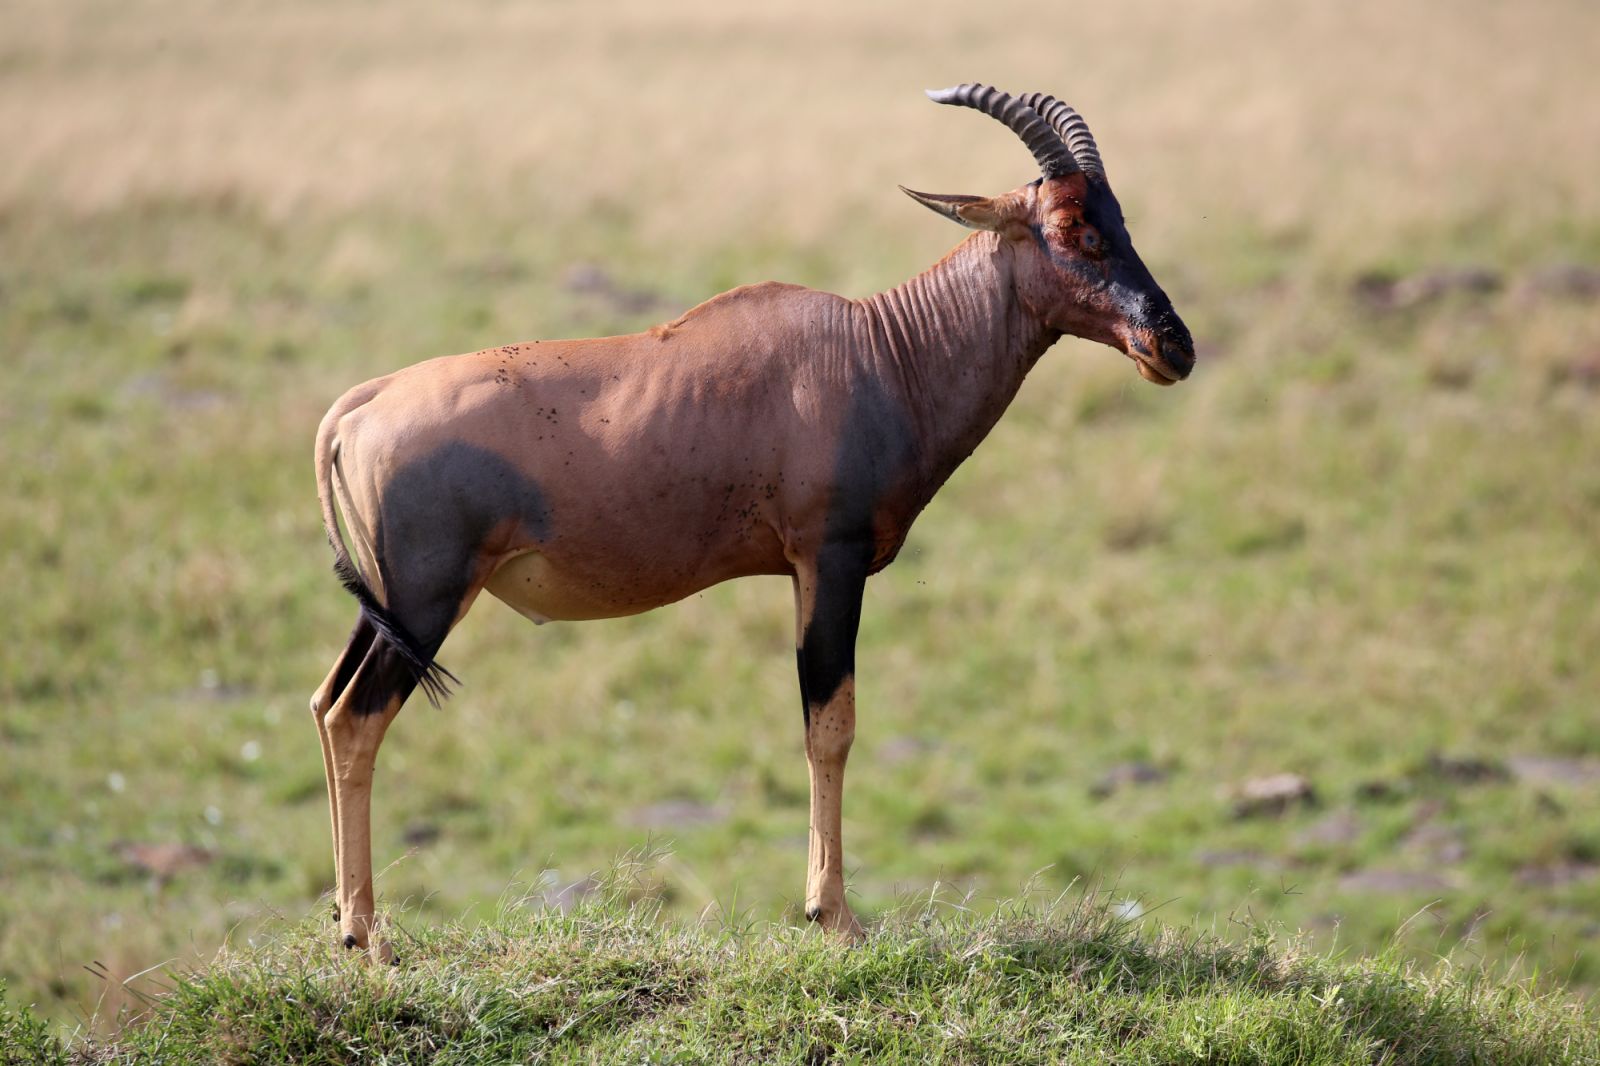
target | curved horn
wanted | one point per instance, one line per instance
(1052, 153)
(1071, 128)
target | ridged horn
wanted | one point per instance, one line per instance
(1071, 128)
(1055, 159)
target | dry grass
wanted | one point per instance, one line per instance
(1341, 121)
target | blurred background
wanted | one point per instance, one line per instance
(1307, 640)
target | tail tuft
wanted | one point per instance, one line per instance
(434, 680)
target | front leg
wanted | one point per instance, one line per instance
(828, 592)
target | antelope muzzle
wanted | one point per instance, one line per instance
(1164, 352)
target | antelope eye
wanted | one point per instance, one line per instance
(1089, 241)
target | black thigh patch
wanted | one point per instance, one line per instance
(434, 516)
(437, 512)
(450, 500)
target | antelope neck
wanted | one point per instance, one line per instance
(954, 343)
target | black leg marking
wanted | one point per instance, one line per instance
(350, 659)
(877, 453)
(389, 675)
(805, 694)
(828, 647)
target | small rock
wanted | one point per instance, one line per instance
(1449, 373)
(421, 834)
(903, 749)
(1338, 827)
(1571, 280)
(160, 388)
(565, 897)
(1381, 879)
(1127, 773)
(1381, 791)
(1556, 874)
(1387, 293)
(588, 279)
(161, 861)
(1376, 289)
(1463, 769)
(1230, 857)
(1548, 805)
(495, 267)
(1442, 845)
(1272, 795)
(1425, 288)
(676, 814)
(1553, 769)
(1583, 371)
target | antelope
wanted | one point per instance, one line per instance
(773, 429)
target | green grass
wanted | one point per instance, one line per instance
(610, 981)
(1358, 545)
(1322, 555)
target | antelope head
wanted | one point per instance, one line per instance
(1076, 268)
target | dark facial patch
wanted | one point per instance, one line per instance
(1102, 211)
(1142, 302)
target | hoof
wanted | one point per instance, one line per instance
(840, 923)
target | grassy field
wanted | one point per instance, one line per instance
(1359, 546)
(1065, 981)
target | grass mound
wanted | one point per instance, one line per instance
(610, 981)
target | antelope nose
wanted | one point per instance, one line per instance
(1179, 356)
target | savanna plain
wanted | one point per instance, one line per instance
(1355, 552)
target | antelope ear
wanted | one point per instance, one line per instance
(974, 212)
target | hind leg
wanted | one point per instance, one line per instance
(354, 728)
(430, 522)
(321, 703)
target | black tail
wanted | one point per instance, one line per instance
(434, 680)
(415, 658)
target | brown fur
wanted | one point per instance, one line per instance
(771, 430)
